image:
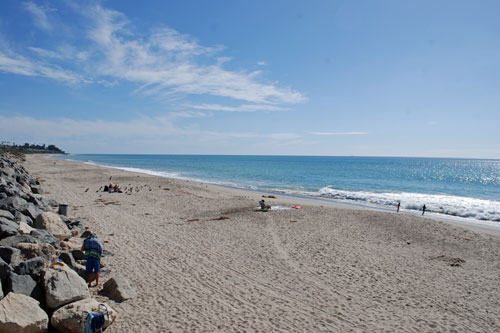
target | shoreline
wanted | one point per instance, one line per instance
(471, 223)
(201, 258)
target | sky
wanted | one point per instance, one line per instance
(281, 77)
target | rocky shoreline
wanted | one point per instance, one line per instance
(42, 272)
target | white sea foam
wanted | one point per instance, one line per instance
(483, 210)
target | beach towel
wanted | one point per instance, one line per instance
(274, 208)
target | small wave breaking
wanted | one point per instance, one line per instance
(482, 210)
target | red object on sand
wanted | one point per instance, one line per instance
(297, 207)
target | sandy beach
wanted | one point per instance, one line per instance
(202, 259)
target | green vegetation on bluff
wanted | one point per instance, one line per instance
(28, 148)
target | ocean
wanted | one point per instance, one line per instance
(458, 188)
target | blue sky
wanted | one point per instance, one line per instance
(378, 78)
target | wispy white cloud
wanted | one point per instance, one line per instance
(63, 52)
(162, 62)
(17, 64)
(165, 62)
(39, 14)
(262, 63)
(240, 108)
(187, 114)
(339, 133)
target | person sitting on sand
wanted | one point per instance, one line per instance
(93, 252)
(263, 205)
(117, 189)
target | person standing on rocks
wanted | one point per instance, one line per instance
(93, 252)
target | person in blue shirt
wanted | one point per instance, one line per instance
(93, 252)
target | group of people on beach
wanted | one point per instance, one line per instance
(112, 189)
(399, 204)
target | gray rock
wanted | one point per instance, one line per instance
(78, 254)
(1, 290)
(5, 269)
(69, 317)
(44, 250)
(53, 223)
(80, 270)
(67, 258)
(77, 224)
(20, 313)
(62, 285)
(36, 189)
(9, 190)
(3, 196)
(23, 284)
(65, 219)
(51, 202)
(20, 217)
(30, 210)
(12, 204)
(10, 255)
(13, 240)
(6, 214)
(119, 289)
(39, 203)
(33, 267)
(8, 228)
(45, 236)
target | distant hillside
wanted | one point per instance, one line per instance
(30, 148)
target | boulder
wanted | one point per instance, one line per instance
(33, 267)
(1, 290)
(23, 284)
(62, 285)
(36, 189)
(24, 229)
(8, 228)
(3, 195)
(119, 289)
(6, 214)
(50, 202)
(13, 240)
(74, 243)
(10, 255)
(78, 254)
(80, 270)
(39, 203)
(67, 258)
(20, 313)
(77, 224)
(9, 190)
(52, 222)
(45, 236)
(5, 269)
(30, 210)
(12, 204)
(20, 217)
(47, 251)
(69, 317)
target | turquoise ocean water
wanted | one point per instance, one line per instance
(464, 188)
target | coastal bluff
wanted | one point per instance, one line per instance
(38, 274)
